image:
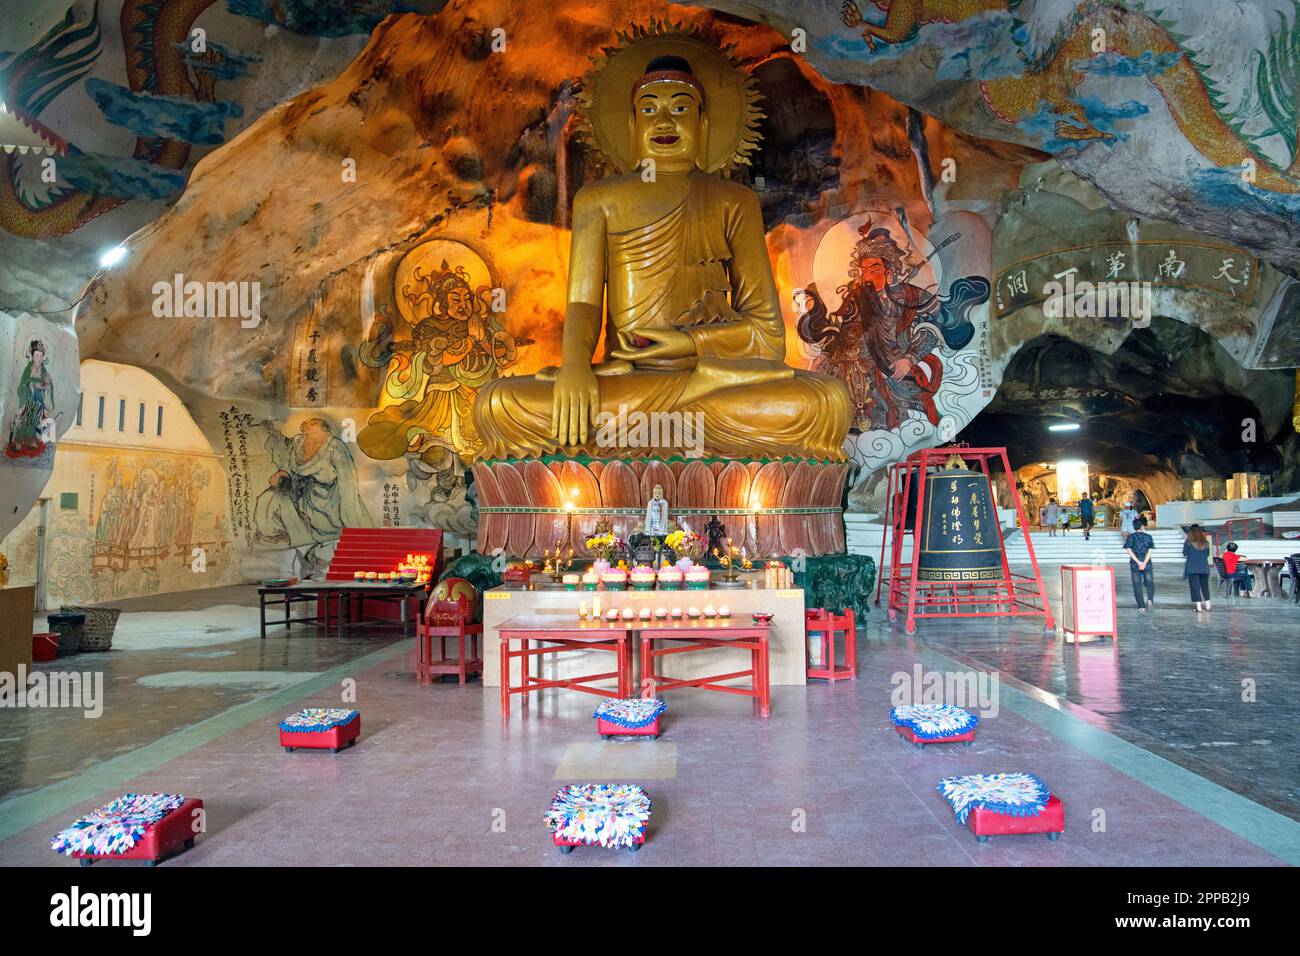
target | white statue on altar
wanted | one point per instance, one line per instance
(656, 513)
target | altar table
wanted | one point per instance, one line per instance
(704, 635)
(555, 634)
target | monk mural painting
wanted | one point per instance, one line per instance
(312, 495)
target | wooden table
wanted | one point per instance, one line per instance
(379, 591)
(288, 595)
(304, 591)
(556, 634)
(703, 635)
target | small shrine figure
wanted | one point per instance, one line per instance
(656, 513)
(716, 533)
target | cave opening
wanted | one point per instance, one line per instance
(1168, 409)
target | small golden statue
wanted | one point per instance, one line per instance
(672, 260)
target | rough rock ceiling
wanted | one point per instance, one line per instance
(1185, 114)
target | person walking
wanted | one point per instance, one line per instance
(1196, 569)
(1126, 519)
(1086, 516)
(1051, 515)
(1140, 569)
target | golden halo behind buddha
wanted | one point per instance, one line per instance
(730, 100)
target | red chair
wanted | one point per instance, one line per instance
(819, 624)
(444, 619)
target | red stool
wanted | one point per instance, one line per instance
(984, 823)
(174, 830)
(447, 619)
(819, 623)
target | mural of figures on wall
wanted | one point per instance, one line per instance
(31, 429)
(902, 343)
(445, 293)
(312, 495)
(148, 515)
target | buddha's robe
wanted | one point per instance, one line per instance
(701, 268)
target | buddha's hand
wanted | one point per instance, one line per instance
(664, 344)
(575, 398)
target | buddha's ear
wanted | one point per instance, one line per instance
(702, 153)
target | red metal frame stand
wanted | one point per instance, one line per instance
(1015, 595)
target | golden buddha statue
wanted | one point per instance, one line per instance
(676, 259)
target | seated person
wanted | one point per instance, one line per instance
(1242, 580)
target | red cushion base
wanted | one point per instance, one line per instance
(604, 728)
(336, 738)
(159, 838)
(910, 736)
(561, 841)
(986, 823)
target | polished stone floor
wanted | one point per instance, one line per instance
(438, 779)
(1217, 692)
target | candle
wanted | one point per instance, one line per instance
(582, 610)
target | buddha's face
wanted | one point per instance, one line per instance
(668, 125)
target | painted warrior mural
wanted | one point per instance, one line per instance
(882, 341)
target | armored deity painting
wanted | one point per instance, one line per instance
(903, 344)
(444, 293)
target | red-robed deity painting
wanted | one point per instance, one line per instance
(885, 339)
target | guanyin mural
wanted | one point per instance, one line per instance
(31, 429)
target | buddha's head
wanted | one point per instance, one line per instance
(668, 123)
(658, 492)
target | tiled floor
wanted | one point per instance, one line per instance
(437, 778)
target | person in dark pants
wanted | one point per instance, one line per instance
(1086, 516)
(1196, 549)
(1143, 574)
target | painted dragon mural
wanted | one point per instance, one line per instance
(1132, 41)
(169, 99)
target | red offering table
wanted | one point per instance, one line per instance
(702, 635)
(379, 549)
(556, 634)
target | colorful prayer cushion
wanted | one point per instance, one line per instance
(117, 826)
(607, 814)
(934, 721)
(318, 719)
(1009, 794)
(631, 712)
